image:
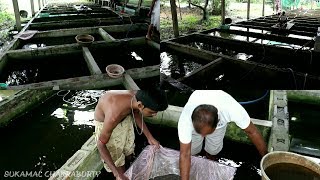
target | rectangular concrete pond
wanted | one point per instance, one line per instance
(128, 57)
(34, 69)
(233, 73)
(304, 128)
(34, 43)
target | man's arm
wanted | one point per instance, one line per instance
(256, 138)
(185, 160)
(104, 152)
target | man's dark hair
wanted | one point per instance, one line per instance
(228, 21)
(154, 99)
(204, 115)
(283, 13)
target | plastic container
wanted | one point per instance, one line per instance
(279, 157)
(115, 70)
(84, 39)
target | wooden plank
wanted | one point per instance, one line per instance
(92, 65)
(202, 69)
(106, 36)
(92, 82)
(202, 54)
(17, 14)
(129, 83)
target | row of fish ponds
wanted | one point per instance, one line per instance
(241, 58)
(56, 124)
(52, 58)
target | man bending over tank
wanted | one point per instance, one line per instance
(115, 114)
(205, 116)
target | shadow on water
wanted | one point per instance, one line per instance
(44, 138)
(39, 69)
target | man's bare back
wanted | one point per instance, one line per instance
(114, 104)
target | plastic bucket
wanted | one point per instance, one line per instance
(278, 157)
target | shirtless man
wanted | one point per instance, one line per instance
(115, 115)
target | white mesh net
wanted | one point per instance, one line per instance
(164, 162)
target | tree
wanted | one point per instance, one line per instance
(204, 9)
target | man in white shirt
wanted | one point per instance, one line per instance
(206, 115)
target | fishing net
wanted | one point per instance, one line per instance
(163, 163)
(26, 34)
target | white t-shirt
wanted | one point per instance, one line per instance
(229, 110)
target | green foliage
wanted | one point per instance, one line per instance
(189, 23)
(251, 1)
(6, 20)
(6, 23)
(216, 6)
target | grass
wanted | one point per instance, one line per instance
(191, 22)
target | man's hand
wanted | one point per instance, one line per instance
(121, 177)
(149, 13)
(153, 141)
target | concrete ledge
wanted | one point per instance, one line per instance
(21, 102)
(279, 115)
